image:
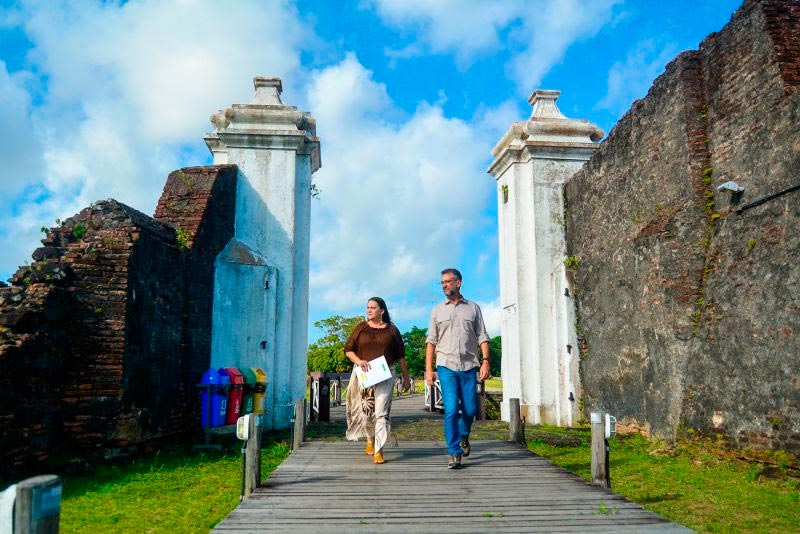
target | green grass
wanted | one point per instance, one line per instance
(690, 483)
(173, 491)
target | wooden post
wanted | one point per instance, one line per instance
(38, 505)
(299, 429)
(252, 478)
(514, 422)
(599, 474)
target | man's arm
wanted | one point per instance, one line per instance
(430, 376)
(483, 374)
(483, 341)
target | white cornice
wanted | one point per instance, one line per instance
(265, 123)
(547, 133)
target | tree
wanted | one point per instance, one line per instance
(414, 341)
(495, 355)
(327, 353)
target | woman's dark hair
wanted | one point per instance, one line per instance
(382, 305)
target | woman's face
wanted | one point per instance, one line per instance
(374, 312)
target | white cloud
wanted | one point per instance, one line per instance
(466, 27)
(491, 316)
(550, 30)
(399, 197)
(496, 121)
(20, 150)
(126, 92)
(632, 78)
(537, 34)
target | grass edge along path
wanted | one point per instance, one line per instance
(689, 483)
(177, 490)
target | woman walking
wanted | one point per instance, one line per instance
(368, 409)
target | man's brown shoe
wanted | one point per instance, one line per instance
(465, 446)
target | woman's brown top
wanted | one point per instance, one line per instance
(368, 343)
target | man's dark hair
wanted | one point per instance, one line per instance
(454, 272)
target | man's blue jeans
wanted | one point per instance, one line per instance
(459, 391)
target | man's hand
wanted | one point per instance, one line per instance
(483, 374)
(430, 377)
(406, 383)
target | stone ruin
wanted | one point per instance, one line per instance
(688, 291)
(104, 336)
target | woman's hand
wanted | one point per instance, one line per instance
(364, 365)
(406, 383)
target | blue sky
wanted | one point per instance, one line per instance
(104, 99)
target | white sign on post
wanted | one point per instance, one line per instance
(378, 372)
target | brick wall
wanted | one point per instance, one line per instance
(104, 336)
(200, 201)
(688, 311)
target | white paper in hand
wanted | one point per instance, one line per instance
(378, 372)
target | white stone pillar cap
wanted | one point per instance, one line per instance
(544, 106)
(264, 122)
(268, 91)
(547, 131)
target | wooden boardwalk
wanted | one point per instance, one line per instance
(334, 487)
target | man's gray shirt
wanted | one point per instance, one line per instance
(457, 330)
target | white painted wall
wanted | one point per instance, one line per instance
(276, 150)
(534, 159)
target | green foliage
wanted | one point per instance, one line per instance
(688, 483)
(44, 229)
(182, 238)
(751, 244)
(504, 188)
(495, 355)
(79, 231)
(327, 353)
(572, 262)
(414, 341)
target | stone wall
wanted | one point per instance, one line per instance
(688, 311)
(199, 201)
(104, 336)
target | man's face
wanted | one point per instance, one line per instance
(450, 285)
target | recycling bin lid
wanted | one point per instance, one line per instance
(249, 375)
(235, 375)
(224, 377)
(261, 376)
(211, 377)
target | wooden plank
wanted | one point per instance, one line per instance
(334, 486)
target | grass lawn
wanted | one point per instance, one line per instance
(180, 490)
(173, 491)
(690, 483)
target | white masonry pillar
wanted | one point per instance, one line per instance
(260, 316)
(540, 350)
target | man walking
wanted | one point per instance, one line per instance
(455, 334)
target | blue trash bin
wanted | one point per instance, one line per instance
(216, 382)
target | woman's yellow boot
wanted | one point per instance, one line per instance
(370, 448)
(378, 458)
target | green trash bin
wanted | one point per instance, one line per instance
(248, 403)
